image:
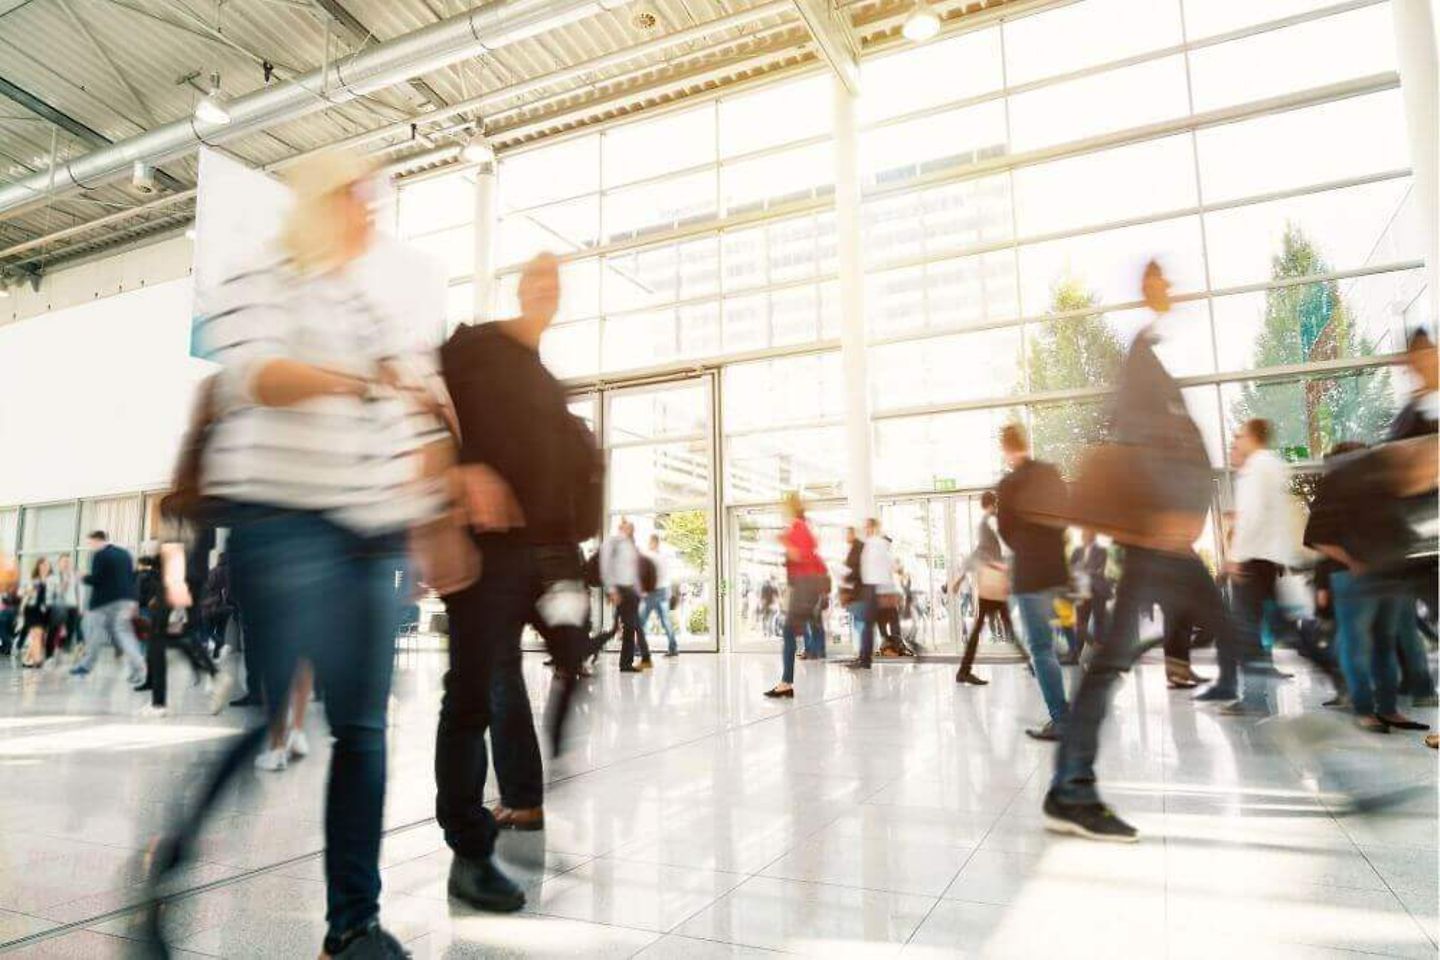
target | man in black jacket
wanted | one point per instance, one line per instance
(1089, 560)
(112, 607)
(1038, 572)
(531, 473)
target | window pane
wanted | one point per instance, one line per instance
(658, 414)
(786, 390)
(971, 366)
(957, 138)
(1332, 141)
(794, 316)
(639, 340)
(930, 75)
(652, 207)
(747, 122)
(641, 279)
(579, 289)
(1337, 230)
(53, 527)
(1060, 432)
(648, 148)
(764, 466)
(699, 268)
(566, 169)
(460, 305)
(1205, 18)
(700, 330)
(895, 302)
(559, 228)
(1185, 344)
(572, 350)
(1047, 44)
(790, 248)
(9, 528)
(968, 212)
(1133, 96)
(971, 290)
(746, 324)
(1348, 45)
(660, 476)
(1110, 263)
(1310, 322)
(912, 452)
(1312, 415)
(455, 248)
(1102, 187)
(436, 204)
(796, 174)
(743, 252)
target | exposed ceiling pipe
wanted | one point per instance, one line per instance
(431, 48)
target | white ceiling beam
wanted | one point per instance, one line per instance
(835, 38)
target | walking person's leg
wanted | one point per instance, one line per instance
(518, 770)
(119, 623)
(1414, 658)
(626, 613)
(867, 628)
(1034, 609)
(966, 674)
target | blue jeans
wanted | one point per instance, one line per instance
(308, 588)
(111, 622)
(856, 609)
(658, 601)
(1035, 610)
(1414, 654)
(1369, 615)
(815, 639)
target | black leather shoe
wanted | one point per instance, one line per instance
(481, 884)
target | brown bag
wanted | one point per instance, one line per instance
(1116, 494)
(443, 553)
(993, 582)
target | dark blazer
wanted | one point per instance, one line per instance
(112, 576)
(1038, 551)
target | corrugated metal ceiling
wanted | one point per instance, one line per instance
(122, 66)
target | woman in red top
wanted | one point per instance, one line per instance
(806, 574)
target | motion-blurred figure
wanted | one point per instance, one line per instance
(1150, 490)
(532, 476)
(620, 572)
(1088, 564)
(985, 567)
(806, 575)
(876, 576)
(112, 607)
(1039, 574)
(312, 458)
(1261, 546)
(658, 592)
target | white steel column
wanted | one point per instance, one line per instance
(1415, 42)
(859, 478)
(485, 230)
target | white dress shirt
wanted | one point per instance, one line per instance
(1264, 511)
(620, 562)
(876, 567)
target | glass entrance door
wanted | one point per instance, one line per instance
(931, 539)
(659, 441)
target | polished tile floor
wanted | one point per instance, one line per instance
(888, 814)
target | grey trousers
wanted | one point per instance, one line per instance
(112, 622)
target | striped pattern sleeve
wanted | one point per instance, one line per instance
(246, 325)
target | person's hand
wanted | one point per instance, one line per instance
(490, 504)
(1322, 598)
(177, 595)
(1233, 568)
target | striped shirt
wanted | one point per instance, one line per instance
(349, 458)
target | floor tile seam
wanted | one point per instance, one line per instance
(726, 943)
(986, 836)
(1424, 932)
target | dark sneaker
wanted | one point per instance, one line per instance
(971, 679)
(1338, 702)
(858, 665)
(1217, 694)
(368, 943)
(629, 668)
(1049, 732)
(1093, 821)
(481, 884)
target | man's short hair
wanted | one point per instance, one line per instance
(1259, 429)
(1419, 340)
(99, 535)
(988, 499)
(1013, 438)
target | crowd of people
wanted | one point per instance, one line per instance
(336, 452)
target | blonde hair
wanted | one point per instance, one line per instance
(793, 504)
(310, 236)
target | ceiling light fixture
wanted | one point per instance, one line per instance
(478, 149)
(922, 24)
(211, 108)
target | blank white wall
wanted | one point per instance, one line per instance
(94, 398)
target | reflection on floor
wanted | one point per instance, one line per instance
(877, 815)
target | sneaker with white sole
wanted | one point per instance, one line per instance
(152, 712)
(273, 760)
(220, 692)
(1093, 821)
(297, 745)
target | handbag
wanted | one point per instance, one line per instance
(442, 551)
(185, 501)
(993, 582)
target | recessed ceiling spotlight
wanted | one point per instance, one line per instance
(922, 24)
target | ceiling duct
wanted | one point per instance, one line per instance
(431, 48)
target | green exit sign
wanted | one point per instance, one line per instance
(945, 484)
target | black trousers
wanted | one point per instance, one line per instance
(1252, 589)
(627, 615)
(996, 611)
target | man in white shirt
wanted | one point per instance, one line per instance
(876, 577)
(657, 592)
(620, 572)
(1262, 545)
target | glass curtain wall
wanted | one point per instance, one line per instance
(1015, 185)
